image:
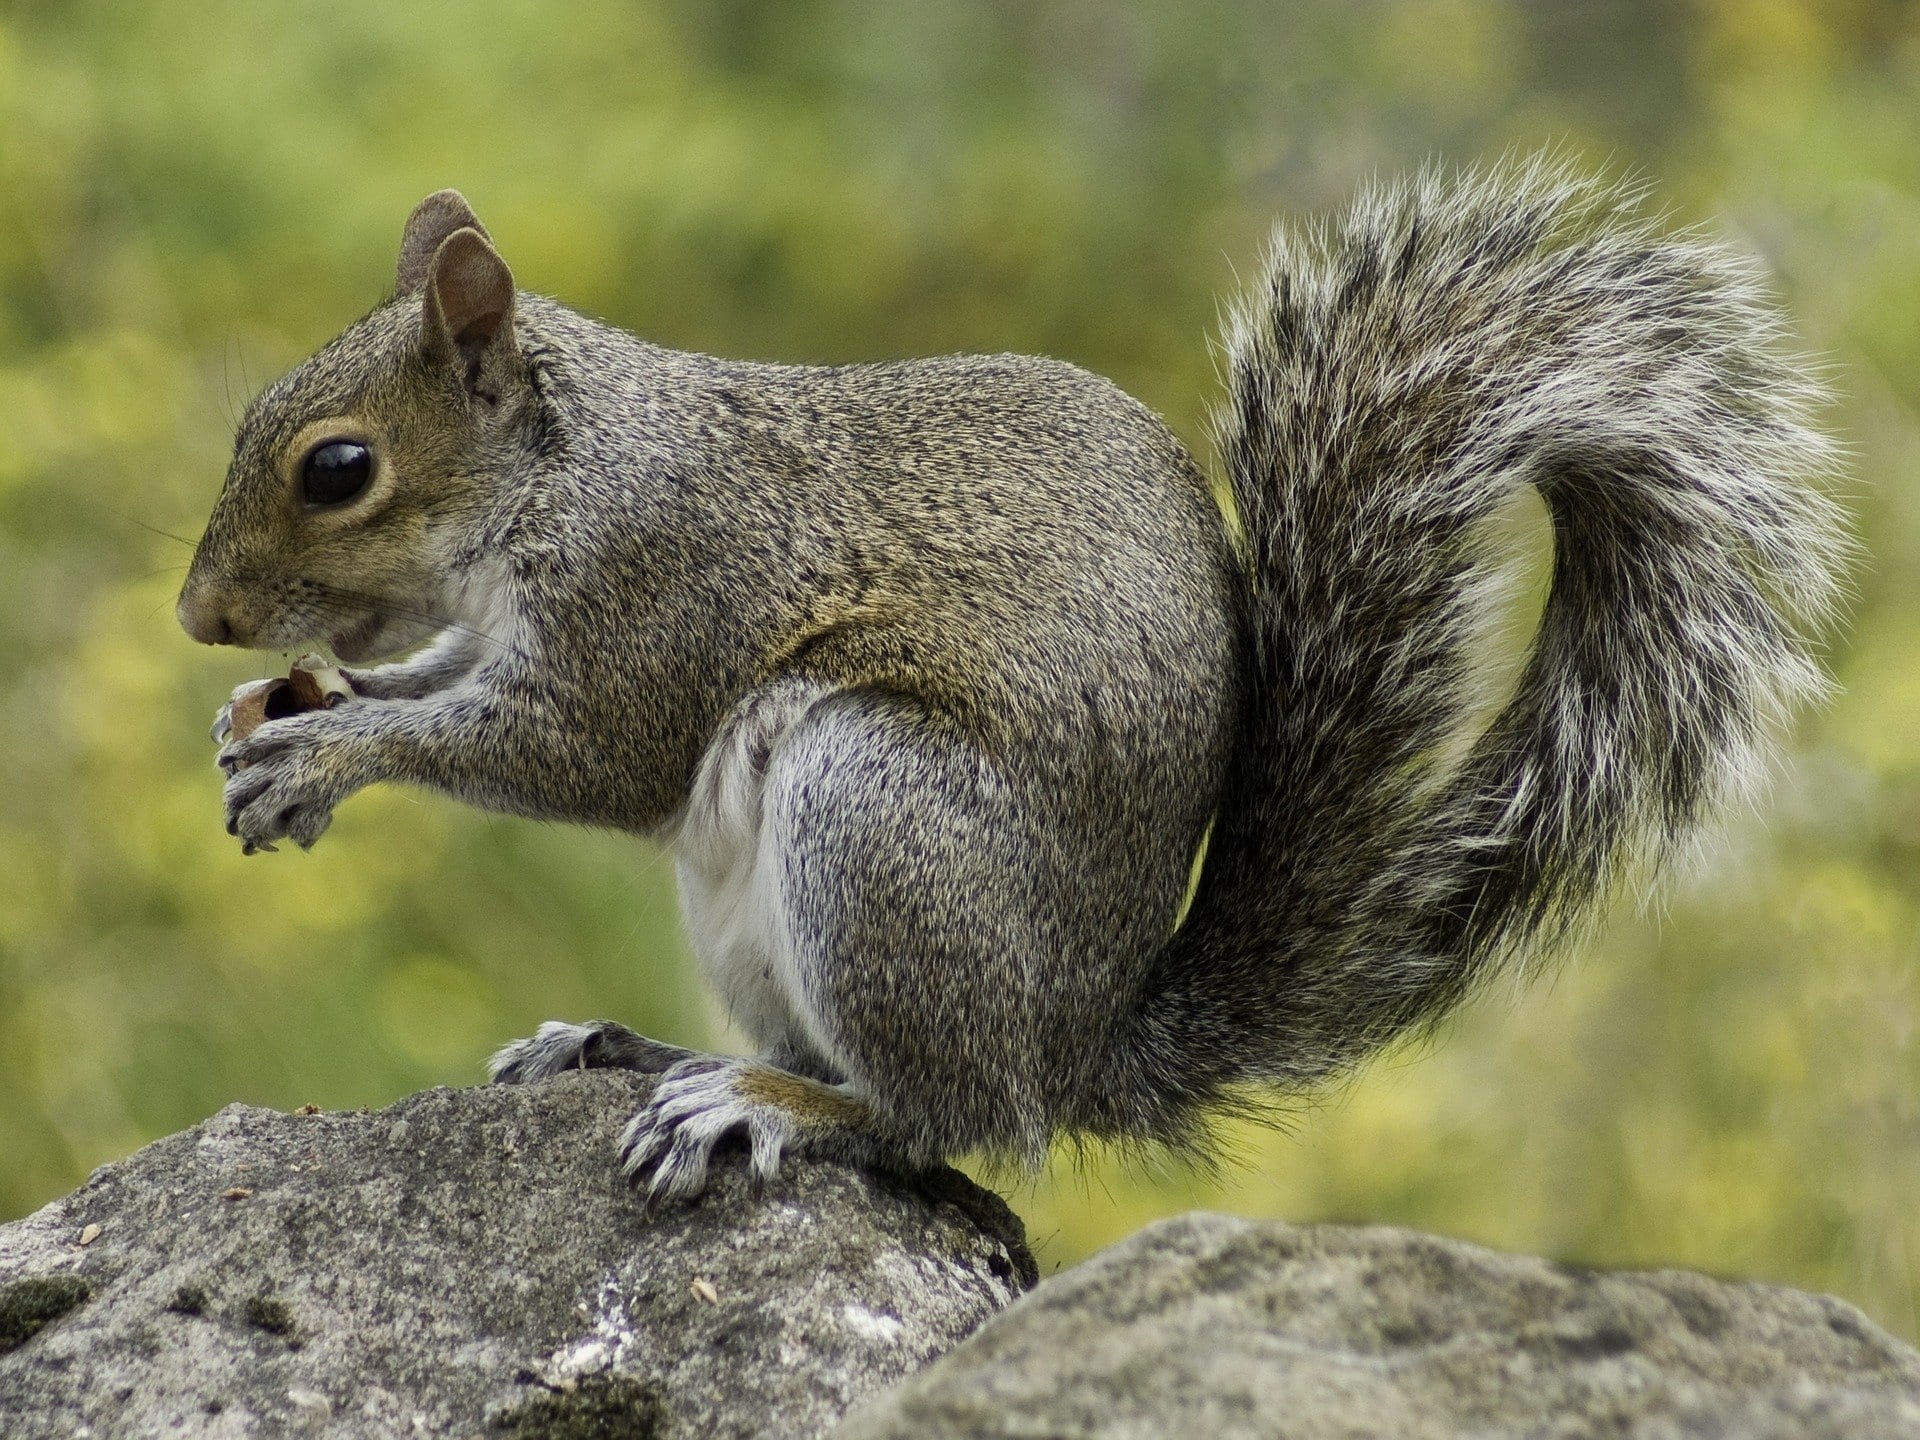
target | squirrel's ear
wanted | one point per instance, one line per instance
(467, 310)
(432, 221)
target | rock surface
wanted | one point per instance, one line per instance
(467, 1263)
(1211, 1328)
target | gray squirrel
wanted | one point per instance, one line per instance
(936, 674)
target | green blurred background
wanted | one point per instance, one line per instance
(192, 196)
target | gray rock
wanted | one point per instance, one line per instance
(1212, 1328)
(468, 1263)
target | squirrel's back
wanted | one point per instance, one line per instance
(927, 504)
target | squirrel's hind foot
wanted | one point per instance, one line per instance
(668, 1146)
(597, 1045)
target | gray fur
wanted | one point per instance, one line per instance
(1392, 382)
(960, 659)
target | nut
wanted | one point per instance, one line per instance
(312, 684)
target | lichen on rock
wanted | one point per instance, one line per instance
(29, 1305)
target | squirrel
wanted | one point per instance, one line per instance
(937, 675)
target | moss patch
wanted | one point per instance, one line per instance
(29, 1306)
(265, 1313)
(189, 1300)
(604, 1407)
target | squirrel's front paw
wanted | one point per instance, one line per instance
(283, 782)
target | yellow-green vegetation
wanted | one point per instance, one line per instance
(192, 196)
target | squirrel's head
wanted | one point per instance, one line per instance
(359, 479)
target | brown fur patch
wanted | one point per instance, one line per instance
(809, 1102)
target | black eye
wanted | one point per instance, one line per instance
(335, 472)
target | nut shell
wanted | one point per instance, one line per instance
(312, 684)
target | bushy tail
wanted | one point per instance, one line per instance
(1392, 382)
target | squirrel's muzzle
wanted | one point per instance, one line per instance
(204, 617)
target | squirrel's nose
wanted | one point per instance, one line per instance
(204, 621)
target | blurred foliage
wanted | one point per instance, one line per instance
(195, 195)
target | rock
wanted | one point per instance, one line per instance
(468, 1263)
(1212, 1328)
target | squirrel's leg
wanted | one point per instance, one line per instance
(597, 1045)
(286, 777)
(449, 659)
(895, 923)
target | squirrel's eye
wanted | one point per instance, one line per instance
(335, 472)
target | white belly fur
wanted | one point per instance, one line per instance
(729, 861)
